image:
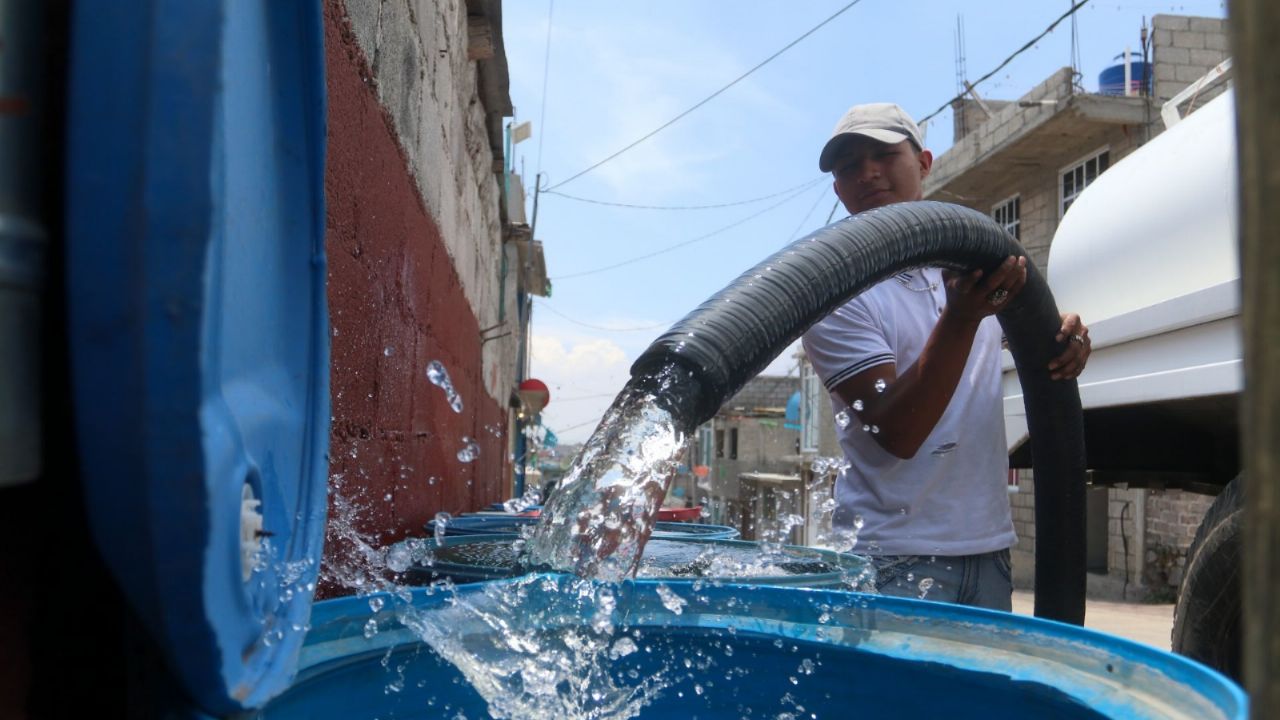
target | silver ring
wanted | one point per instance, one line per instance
(997, 296)
(1079, 339)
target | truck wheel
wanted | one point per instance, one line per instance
(1206, 620)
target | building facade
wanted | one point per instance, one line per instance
(749, 435)
(1023, 162)
(430, 263)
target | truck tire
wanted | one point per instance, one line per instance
(1206, 620)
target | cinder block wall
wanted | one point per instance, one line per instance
(1183, 50)
(1172, 519)
(413, 239)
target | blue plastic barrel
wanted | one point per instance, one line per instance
(473, 558)
(505, 524)
(1111, 80)
(770, 651)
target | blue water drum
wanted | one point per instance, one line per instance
(198, 326)
(1111, 80)
(679, 649)
(471, 558)
(502, 524)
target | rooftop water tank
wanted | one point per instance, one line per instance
(1111, 80)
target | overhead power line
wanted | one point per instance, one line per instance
(805, 220)
(1007, 60)
(553, 311)
(710, 97)
(546, 68)
(700, 238)
(749, 201)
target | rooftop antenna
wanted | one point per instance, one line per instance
(1077, 77)
(962, 75)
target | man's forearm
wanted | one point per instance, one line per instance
(910, 407)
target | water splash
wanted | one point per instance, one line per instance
(597, 522)
(532, 496)
(470, 450)
(523, 648)
(439, 377)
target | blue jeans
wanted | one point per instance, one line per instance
(980, 580)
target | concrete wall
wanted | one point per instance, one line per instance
(1172, 518)
(1183, 49)
(413, 276)
(416, 53)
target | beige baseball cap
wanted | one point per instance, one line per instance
(885, 122)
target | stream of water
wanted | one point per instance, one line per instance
(561, 658)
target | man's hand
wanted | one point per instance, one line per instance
(1071, 362)
(973, 297)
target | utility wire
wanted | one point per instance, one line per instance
(586, 397)
(545, 306)
(1007, 60)
(805, 220)
(579, 425)
(546, 72)
(805, 184)
(700, 238)
(710, 97)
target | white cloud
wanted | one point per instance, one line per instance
(583, 375)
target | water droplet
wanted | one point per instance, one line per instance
(442, 526)
(388, 351)
(376, 603)
(857, 405)
(842, 419)
(670, 600)
(370, 628)
(387, 497)
(399, 558)
(866, 428)
(880, 385)
(439, 377)
(875, 429)
(470, 450)
(925, 585)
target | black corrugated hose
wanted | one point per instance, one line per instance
(735, 334)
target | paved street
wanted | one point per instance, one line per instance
(1148, 624)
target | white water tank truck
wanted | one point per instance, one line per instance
(1148, 256)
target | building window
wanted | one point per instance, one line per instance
(733, 443)
(1080, 176)
(1009, 215)
(719, 443)
(811, 394)
(704, 445)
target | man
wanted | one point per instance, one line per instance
(913, 369)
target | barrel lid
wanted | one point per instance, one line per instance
(198, 325)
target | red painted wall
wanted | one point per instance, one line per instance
(395, 304)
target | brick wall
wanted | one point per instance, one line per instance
(1172, 519)
(398, 300)
(1183, 50)
(1023, 553)
(1124, 544)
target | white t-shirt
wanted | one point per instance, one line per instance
(951, 498)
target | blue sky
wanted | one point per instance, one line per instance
(617, 71)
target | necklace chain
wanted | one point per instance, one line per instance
(905, 278)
